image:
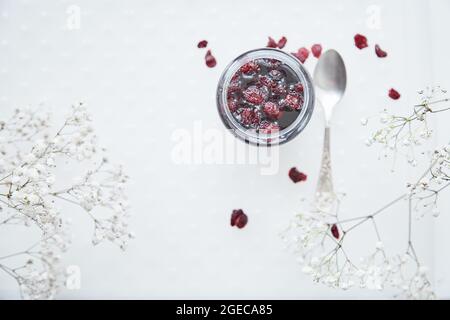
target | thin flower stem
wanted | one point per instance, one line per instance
(376, 212)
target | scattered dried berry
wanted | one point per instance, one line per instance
(393, 94)
(271, 43)
(360, 41)
(210, 60)
(316, 50)
(297, 176)
(282, 42)
(238, 218)
(302, 54)
(202, 44)
(335, 231)
(380, 53)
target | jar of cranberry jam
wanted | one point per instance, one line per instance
(265, 97)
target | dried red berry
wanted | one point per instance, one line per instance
(210, 60)
(271, 43)
(271, 110)
(202, 44)
(249, 67)
(380, 53)
(233, 87)
(250, 117)
(281, 43)
(233, 105)
(294, 102)
(335, 231)
(393, 94)
(238, 218)
(280, 89)
(316, 50)
(253, 95)
(298, 87)
(302, 54)
(266, 81)
(297, 176)
(360, 41)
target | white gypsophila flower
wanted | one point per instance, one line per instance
(425, 193)
(29, 193)
(407, 133)
(319, 238)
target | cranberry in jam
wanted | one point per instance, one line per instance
(265, 92)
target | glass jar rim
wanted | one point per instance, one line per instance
(252, 136)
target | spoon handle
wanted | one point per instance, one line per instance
(325, 196)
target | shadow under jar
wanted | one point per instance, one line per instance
(265, 97)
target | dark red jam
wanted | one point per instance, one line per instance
(266, 95)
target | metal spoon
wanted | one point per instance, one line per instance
(330, 80)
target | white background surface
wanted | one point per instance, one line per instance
(137, 66)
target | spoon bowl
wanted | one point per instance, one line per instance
(330, 80)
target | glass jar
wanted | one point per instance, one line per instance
(253, 135)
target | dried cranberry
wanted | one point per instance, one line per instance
(271, 43)
(236, 76)
(316, 50)
(250, 117)
(210, 60)
(271, 110)
(297, 176)
(335, 231)
(298, 87)
(279, 90)
(233, 105)
(380, 53)
(202, 44)
(302, 54)
(281, 43)
(393, 94)
(360, 41)
(294, 102)
(253, 95)
(266, 81)
(249, 67)
(233, 87)
(238, 218)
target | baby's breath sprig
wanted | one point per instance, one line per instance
(402, 134)
(321, 238)
(30, 157)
